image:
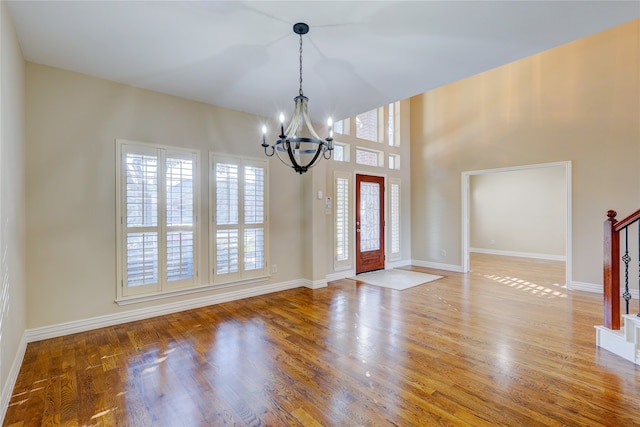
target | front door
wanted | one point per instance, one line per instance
(369, 223)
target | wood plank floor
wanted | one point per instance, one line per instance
(502, 345)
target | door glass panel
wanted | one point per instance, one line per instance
(369, 216)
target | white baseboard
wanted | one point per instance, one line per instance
(598, 289)
(8, 387)
(339, 275)
(519, 254)
(586, 287)
(314, 284)
(437, 266)
(83, 325)
(398, 263)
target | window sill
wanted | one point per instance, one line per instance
(135, 299)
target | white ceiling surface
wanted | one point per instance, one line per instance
(243, 55)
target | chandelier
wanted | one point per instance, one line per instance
(299, 147)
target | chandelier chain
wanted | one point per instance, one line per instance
(300, 90)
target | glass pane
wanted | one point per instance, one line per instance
(179, 255)
(253, 195)
(342, 219)
(142, 190)
(367, 125)
(226, 193)
(226, 251)
(392, 161)
(395, 218)
(391, 124)
(142, 258)
(338, 153)
(369, 216)
(338, 127)
(253, 248)
(179, 177)
(366, 157)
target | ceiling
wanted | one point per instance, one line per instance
(243, 55)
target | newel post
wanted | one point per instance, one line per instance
(611, 273)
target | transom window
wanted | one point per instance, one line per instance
(367, 125)
(365, 156)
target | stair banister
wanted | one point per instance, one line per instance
(611, 273)
(612, 228)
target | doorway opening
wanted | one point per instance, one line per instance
(565, 167)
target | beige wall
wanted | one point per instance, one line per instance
(72, 123)
(71, 127)
(577, 102)
(521, 212)
(12, 245)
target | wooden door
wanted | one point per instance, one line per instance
(369, 223)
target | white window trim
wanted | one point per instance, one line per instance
(242, 277)
(164, 288)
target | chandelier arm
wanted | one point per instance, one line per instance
(294, 163)
(273, 150)
(307, 121)
(294, 124)
(315, 157)
(278, 151)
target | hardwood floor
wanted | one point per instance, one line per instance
(502, 345)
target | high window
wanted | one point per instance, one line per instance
(341, 152)
(238, 218)
(365, 156)
(393, 121)
(157, 205)
(367, 125)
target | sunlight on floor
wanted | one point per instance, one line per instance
(527, 286)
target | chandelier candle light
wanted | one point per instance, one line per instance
(299, 147)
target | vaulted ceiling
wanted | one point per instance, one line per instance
(243, 55)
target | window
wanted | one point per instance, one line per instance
(394, 205)
(367, 125)
(341, 192)
(368, 157)
(341, 152)
(157, 203)
(394, 161)
(393, 123)
(238, 218)
(342, 127)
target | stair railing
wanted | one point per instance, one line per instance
(612, 230)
